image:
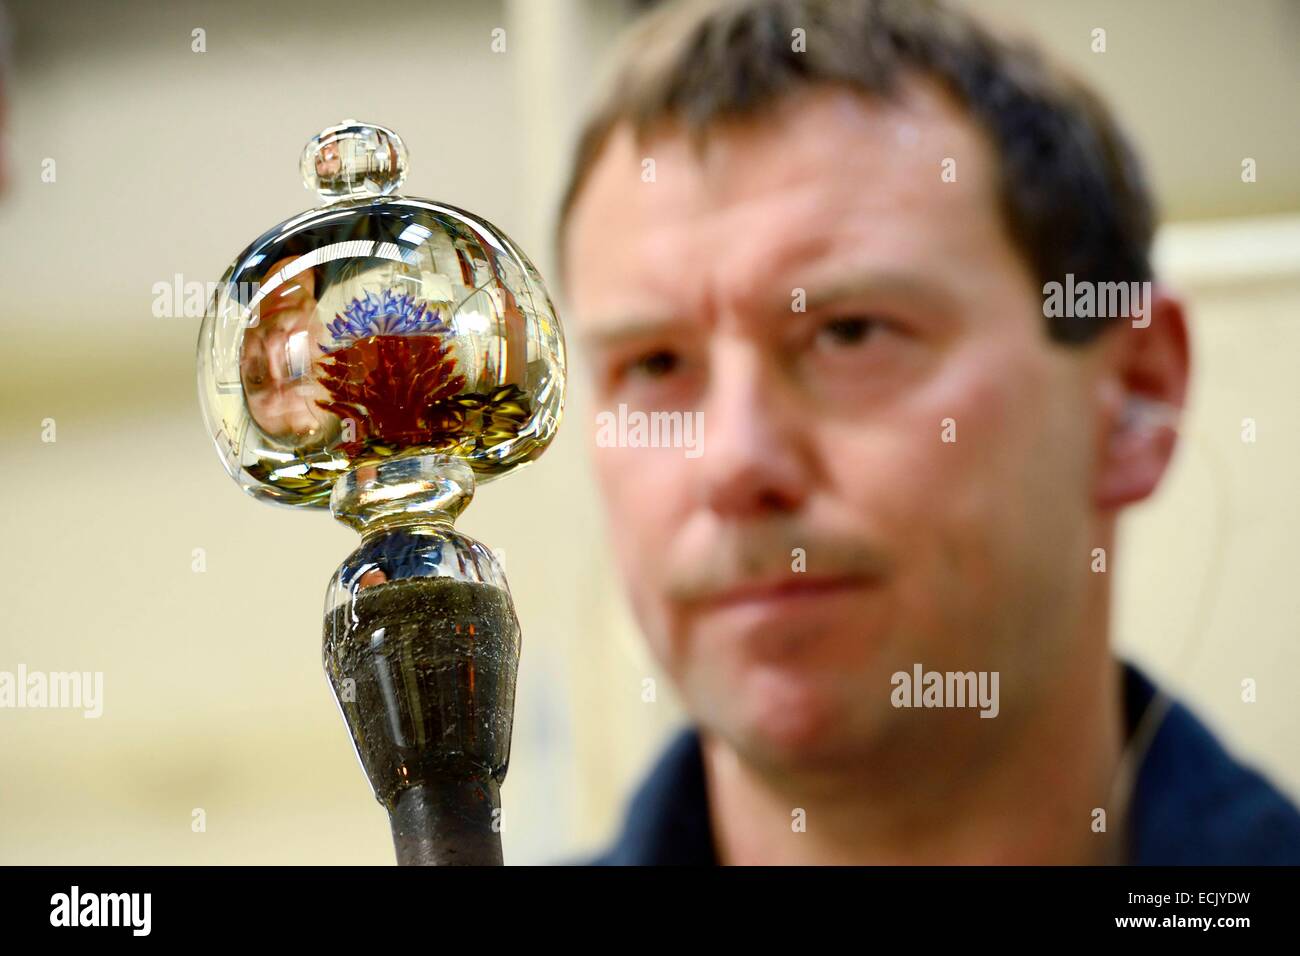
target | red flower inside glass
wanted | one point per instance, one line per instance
(391, 373)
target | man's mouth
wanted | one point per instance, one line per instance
(786, 591)
(788, 618)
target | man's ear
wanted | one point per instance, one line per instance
(1141, 391)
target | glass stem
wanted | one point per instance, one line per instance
(448, 822)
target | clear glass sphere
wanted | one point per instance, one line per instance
(374, 327)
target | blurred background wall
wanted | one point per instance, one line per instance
(168, 162)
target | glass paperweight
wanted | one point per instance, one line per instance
(381, 356)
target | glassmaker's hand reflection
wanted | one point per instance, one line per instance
(392, 557)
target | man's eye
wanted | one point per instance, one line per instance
(847, 331)
(654, 364)
(253, 370)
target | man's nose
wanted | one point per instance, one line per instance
(755, 457)
(288, 354)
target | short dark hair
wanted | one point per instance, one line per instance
(1071, 190)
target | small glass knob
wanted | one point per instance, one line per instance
(354, 161)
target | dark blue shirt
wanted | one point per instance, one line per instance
(1193, 804)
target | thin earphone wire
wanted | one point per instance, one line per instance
(1153, 714)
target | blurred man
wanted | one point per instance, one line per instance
(880, 253)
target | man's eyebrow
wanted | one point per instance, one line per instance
(849, 283)
(610, 334)
(822, 290)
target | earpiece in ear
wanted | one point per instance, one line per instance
(1138, 449)
(1146, 414)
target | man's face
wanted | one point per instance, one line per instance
(279, 360)
(879, 396)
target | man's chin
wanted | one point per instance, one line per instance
(294, 430)
(789, 720)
